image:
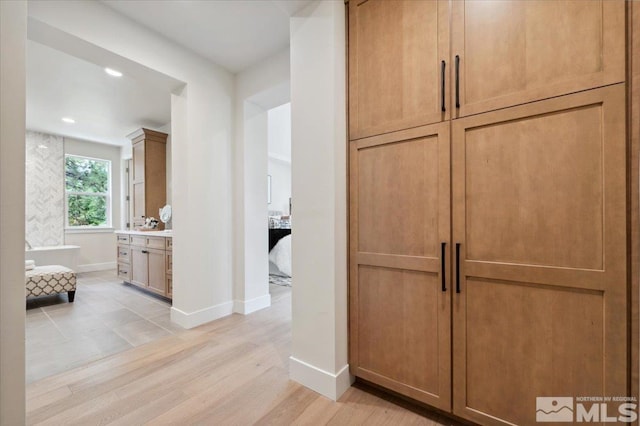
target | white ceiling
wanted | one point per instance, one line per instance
(105, 108)
(234, 34)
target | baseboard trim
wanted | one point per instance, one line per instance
(248, 306)
(328, 384)
(93, 267)
(202, 316)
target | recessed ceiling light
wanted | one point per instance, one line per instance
(68, 120)
(112, 72)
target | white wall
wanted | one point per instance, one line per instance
(97, 248)
(258, 89)
(201, 157)
(280, 132)
(280, 172)
(319, 173)
(279, 167)
(13, 38)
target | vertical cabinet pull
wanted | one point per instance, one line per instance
(457, 81)
(443, 66)
(443, 268)
(457, 267)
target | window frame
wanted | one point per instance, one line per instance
(107, 195)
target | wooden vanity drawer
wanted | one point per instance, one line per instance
(169, 262)
(169, 243)
(124, 254)
(138, 240)
(169, 285)
(155, 242)
(124, 272)
(122, 239)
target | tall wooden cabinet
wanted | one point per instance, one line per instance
(148, 177)
(488, 261)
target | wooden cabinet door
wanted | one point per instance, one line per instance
(539, 213)
(138, 162)
(138, 203)
(138, 191)
(396, 50)
(513, 52)
(139, 266)
(399, 293)
(157, 270)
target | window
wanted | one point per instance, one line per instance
(88, 192)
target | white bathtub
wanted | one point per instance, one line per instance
(54, 255)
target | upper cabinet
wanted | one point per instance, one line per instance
(398, 65)
(506, 53)
(149, 183)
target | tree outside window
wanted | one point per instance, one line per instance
(88, 189)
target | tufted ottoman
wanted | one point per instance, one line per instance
(51, 279)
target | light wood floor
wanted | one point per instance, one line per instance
(233, 371)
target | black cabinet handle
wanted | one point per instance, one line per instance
(457, 267)
(443, 267)
(144, 252)
(442, 67)
(457, 81)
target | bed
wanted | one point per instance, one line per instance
(279, 246)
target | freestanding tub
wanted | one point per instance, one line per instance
(54, 255)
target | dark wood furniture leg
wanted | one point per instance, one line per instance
(71, 295)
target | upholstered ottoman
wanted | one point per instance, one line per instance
(51, 279)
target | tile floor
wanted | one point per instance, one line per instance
(107, 317)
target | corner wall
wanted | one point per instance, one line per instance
(13, 39)
(263, 86)
(319, 357)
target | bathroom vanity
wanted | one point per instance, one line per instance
(145, 260)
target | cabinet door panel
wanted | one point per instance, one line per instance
(512, 51)
(399, 216)
(138, 202)
(539, 212)
(139, 266)
(138, 162)
(395, 54)
(157, 271)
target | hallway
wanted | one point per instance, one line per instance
(231, 371)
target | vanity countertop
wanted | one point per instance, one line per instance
(166, 233)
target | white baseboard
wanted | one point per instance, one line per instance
(328, 384)
(202, 316)
(92, 267)
(247, 306)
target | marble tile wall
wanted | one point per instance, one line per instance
(44, 189)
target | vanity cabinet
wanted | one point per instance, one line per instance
(148, 177)
(146, 261)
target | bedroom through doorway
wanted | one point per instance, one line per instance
(279, 197)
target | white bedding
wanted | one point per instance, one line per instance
(280, 255)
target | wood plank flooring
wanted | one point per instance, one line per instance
(233, 371)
